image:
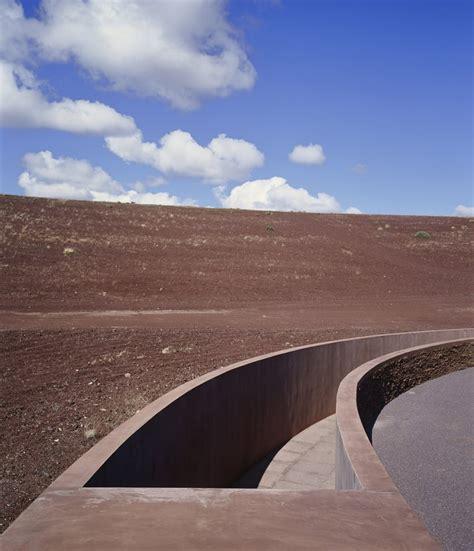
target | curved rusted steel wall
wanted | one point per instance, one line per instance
(206, 433)
(209, 431)
(361, 397)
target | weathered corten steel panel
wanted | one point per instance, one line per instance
(207, 433)
(359, 402)
(211, 434)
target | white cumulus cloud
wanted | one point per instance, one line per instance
(223, 158)
(353, 210)
(462, 210)
(311, 154)
(22, 104)
(67, 178)
(16, 32)
(182, 51)
(276, 194)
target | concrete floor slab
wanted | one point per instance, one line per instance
(114, 519)
(307, 460)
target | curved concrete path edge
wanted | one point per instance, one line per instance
(358, 466)
(206, 433)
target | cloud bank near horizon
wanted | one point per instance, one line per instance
(68, 178)
(463, 210)
(276, 194)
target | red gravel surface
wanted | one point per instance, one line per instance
(105, 307)
(75, 255)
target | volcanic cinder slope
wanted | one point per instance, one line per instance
(148, 257)
(104, 307)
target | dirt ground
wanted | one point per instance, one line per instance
(75, 255)
(104, 307)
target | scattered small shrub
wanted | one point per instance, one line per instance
(270, 228)
(68, 250)
(422, 235)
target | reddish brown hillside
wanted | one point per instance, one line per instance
(72, 255)
(263, 282)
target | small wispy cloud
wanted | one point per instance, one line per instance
(359, 168)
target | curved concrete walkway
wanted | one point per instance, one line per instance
(306, 462)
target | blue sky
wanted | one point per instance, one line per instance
(377, 94)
